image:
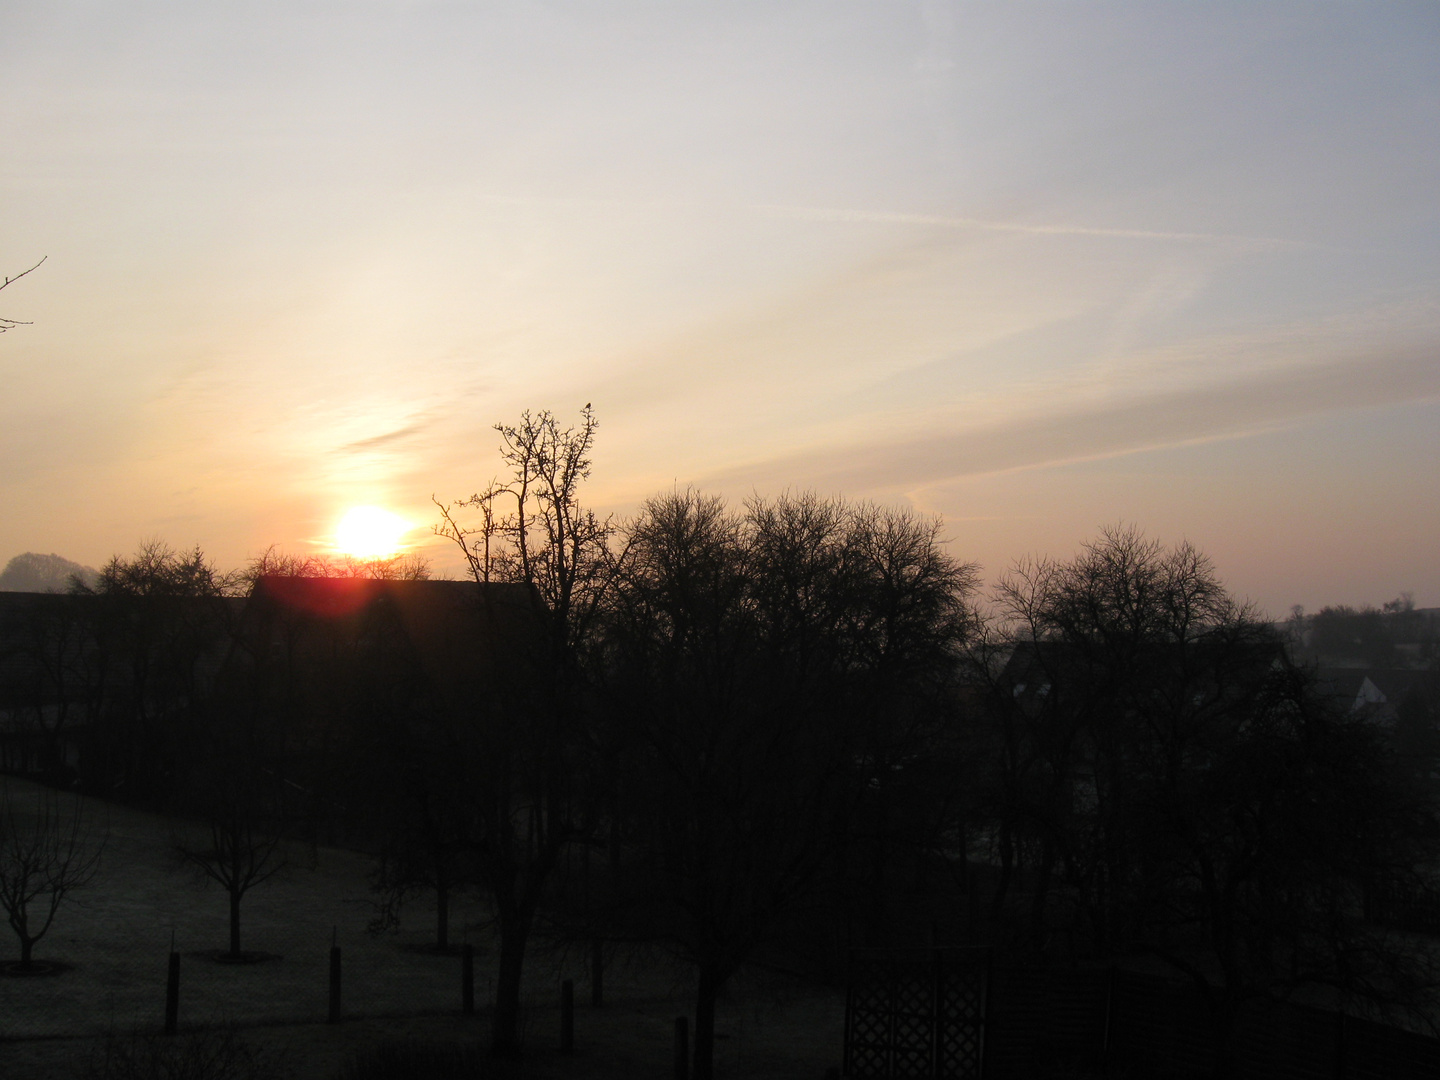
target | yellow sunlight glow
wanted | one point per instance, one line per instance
(368, 532)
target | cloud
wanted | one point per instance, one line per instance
(377, 441)
(881, 217)
(1112, 428)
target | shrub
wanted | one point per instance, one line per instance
(213, 1054)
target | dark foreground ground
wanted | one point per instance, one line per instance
(795, 1039)
(110, 948)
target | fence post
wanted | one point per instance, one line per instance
(682, 1048)
(467, 979)
(334, 1017)
(1107, 1036)
(1342, 1047)
(988, 1012)
(567, 1017)
(172, 993)
(937, 1008)
(597, 973)
(852, 998)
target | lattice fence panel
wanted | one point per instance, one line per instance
(959, 1040)
(914, 1016)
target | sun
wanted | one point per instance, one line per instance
(369, 532)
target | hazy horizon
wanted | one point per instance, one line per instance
(1038, 269)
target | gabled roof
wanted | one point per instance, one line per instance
(1380, 691)
(450, 628)
(449, 631)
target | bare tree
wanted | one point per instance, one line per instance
(532, 527)
(45, 650)
(272, 562)
(160, 622)
(427, 844)
(10, 324)
(239, 842)
(522, 751)
(1179, 789)
(45, 855)
(769, 673)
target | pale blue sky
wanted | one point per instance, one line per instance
(1035, 267)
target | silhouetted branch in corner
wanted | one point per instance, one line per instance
(8, 324)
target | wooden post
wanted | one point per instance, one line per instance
(567, 1017)
(937, 1006)
(172, 994)
(989, 1010)
(682, 1048)
(334, 1017)
(467, 979)
(597, 974)
(1107, 1045)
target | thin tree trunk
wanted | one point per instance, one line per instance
(1040, 898)
(505, 1034)
(234, 922)
(877, 919)
(614, 852)
(1224, 1015)
(1007, 870)
(709, 988)
(442, 917)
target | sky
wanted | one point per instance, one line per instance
(1037, 268)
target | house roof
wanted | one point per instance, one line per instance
(451, 629)
(448, 627)
(1380, 691)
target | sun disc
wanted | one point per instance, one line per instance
(370, 532)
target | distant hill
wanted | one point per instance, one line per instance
(33, 572)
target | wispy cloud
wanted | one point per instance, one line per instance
(1272, 400)
(376, 442)
(885, 217)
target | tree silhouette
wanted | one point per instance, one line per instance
(761, 669)
(272, 562)
(160, 623)
(522, 747)
(1180, 789)
(239, 840)
(10, 324)
(45, 855)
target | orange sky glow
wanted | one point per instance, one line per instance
(1034, 268)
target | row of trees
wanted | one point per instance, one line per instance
(128, 653)
(792, 722)
(1180, 789)
(1396, 634)
(127, 687)
(711, 696)
(764, 676)
(776, 711)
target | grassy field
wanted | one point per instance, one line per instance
(111, 945)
